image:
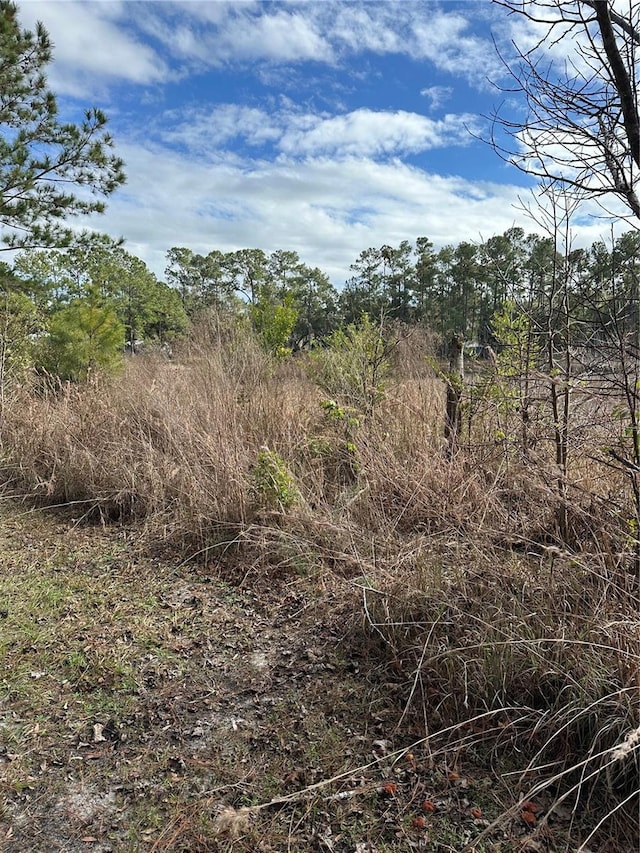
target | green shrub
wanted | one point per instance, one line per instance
(274, 323)
(353, 364)
(84, 336)
(273, 486)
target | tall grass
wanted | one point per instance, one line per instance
(470, 597)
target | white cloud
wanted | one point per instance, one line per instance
(206, 130)
(236, 33)
(283, 37)
(211, 11)
(375, 27)
(444, 39)
(326, 210)
(420, 30)
(437, 95)
(92, 44)
(369, 133)
(362, 132)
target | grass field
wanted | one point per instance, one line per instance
(265, 619)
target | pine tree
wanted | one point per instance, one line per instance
(40, 156)
(84, 336)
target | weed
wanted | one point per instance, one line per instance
(273, 485)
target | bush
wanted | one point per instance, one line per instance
(353, 364)
(272, 484)
(85, 336)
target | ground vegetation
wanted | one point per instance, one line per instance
(470, 620)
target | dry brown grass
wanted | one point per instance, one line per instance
(471, 600)
(169, 443)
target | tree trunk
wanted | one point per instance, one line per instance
(455, 383)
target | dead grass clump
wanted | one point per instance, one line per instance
(232, 822)
(413, 350)
(476, 630)
(408, 486)
(172, 443)
(423, 493)
(130, 447)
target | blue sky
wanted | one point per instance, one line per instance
(320, 127)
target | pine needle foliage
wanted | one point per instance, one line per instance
(41, 157)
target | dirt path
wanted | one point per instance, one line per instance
(141, 698)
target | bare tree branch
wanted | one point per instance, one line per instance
(619, 21)
(582, 127)
(621, 76)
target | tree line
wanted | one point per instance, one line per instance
(71, 301)
(459, 289)
(68, 310)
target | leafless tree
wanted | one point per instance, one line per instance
(576, 64)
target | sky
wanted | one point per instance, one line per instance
(320, 127)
